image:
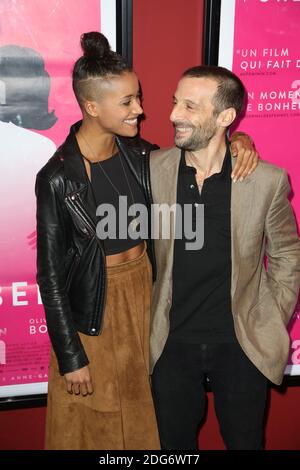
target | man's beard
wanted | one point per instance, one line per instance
(200, 136)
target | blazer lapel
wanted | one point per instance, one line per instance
(164, 186)
(169, 176)
(164, 176)
(242, 194)
(164, 167)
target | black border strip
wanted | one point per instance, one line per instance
(212, 13)
(23, 401)
(124, 29)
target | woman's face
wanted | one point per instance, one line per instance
(119, 106)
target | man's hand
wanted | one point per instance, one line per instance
(242, 147)
(79, 382)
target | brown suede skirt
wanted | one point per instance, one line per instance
(120, 413)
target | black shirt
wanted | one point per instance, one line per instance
(201, 303)
(109, 180)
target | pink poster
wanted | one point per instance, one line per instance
(39, 42)
(266, 55)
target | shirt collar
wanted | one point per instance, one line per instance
(226, 166)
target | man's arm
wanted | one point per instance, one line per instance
(242, 147)
(283, 250)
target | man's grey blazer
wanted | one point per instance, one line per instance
(262, 223)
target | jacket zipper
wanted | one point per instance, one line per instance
(146, 181)
(75, 205)
(72, 270)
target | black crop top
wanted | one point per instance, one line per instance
(111, 179)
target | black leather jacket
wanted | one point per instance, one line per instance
(71, 268)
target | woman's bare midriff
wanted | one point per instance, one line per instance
(128, 255)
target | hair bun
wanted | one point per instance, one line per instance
(94, 45)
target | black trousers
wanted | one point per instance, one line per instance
(239, 389)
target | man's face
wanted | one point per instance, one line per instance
(192, 114)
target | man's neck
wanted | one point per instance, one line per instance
(209, 160)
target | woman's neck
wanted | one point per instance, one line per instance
(95, 144)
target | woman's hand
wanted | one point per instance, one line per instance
(79, 382)
(242, 147)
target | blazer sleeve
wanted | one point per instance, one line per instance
(51, 278)
(283, 250)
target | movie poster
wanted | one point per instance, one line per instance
(259, 41)
(39, 43)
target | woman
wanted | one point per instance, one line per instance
(96, 291)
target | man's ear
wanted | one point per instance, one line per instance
(91, 108)
(226, 117)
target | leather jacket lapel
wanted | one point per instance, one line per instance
(79, 185)
(134, 167)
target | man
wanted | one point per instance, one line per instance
(217, 312)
